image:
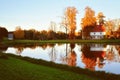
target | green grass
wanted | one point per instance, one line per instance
(29, 42)
(16, 69)
(17, 66)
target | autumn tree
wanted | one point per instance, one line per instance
(43, 35)
(109, 26)
(19, 33)
(118, 33)
(100, 18)
(88, 22)
(3, 33)
(70, 21)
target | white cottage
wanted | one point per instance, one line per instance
(98, 32)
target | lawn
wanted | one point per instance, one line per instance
(15, 69)
(30, 42)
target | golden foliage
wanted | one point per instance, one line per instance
(109, 25)
(89, 18)
(19, 33)
(70, 17)
(100, 15)
(72, 58)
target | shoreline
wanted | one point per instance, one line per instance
(14, 42)
(98, 74)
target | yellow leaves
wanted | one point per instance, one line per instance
(19, 33)
(70, 18)
(100, 15)
(70, 14)
(109, 25)
(89, 18)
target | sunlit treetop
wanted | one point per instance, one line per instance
(89, 18)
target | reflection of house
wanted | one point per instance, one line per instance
(10, 35)
(98, 50)
(98, 32)
(97, 47)
(93, 55)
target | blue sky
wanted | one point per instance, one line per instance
(38, 14)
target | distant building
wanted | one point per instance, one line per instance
(98, 32)
(10, 35)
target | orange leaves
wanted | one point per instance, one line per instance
(19, 33)
(89, 18)
(100, 15)
(70, 16)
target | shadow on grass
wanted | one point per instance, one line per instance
(3, 56)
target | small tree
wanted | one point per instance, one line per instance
(19, 33)
(100, 17)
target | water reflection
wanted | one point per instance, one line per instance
(72, 55)
(113, 53)
(91, 56)
(52, 53)
(3, 48)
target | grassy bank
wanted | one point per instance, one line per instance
(12, 68)
(16, 66)
(28, 42)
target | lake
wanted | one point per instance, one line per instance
(96, 57)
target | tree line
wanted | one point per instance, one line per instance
(33, 34)
(88, 23)
(3, 33)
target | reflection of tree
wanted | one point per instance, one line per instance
(3, 48)
(44, 46)
(118, 49)
(19, 49)
(87, 58)
(32, 46)
(90, 63)
(113, 53)
(52, 53)
(71, 57)
(110, 56)
(51, 45)
(72, 46)
(91, 58)
(64, 58)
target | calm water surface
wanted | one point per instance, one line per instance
(96, 57)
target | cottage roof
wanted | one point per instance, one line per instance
(99, 28)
